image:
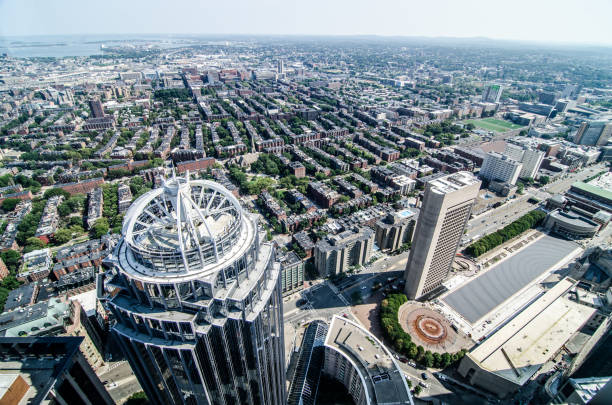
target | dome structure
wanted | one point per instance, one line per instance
(185, 228)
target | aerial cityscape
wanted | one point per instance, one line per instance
(304, 219)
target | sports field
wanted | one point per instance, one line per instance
(492, 124)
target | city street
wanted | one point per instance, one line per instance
(497, 218)
(119, 380)
(323, 300)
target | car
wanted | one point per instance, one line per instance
(112, 385)
(411, 363)
(364, 287)
(424, 376)
(403, 360)
(424, 385)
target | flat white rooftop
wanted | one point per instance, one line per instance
(524, 344)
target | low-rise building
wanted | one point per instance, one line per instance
(36, 265)
(49, 219)
(515, 353)
(571, 224)
(95, 206)
(322, 194)
(124, 198)
(49, 369)
(304, 242)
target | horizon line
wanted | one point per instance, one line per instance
(382, 36)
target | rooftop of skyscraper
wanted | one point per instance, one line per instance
(453, 182)
(381, 375)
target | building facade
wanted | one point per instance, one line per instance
(447, 205)
(292, 273)
(48, 370)
(395, 230)
(501, 168)
(196, 296)
(596, 133)
(363, 365)
(492, 94)
(337, 253)
(531, 159)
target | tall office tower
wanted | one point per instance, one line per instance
(595, 133)
(492, 94)
(197, 298)
(96, 108)
(446, 208)
(501, 168)
(280, 66)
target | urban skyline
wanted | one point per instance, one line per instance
(284, 219)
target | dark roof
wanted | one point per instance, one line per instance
(483, 294)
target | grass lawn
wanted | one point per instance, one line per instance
(492, 124)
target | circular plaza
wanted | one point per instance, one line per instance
(430, 329)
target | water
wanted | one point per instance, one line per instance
(58, 46)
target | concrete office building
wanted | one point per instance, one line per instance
(337, 253)
(501, 168)
(531, 159)
(48, 370)
(363, 365)
(595, 133)
(395, 230)
(492, 94)
(447, 205)
(197, 299)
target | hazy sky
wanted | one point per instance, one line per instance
(581, 21)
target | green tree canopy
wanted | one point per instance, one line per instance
(9, 204)
(99, 228)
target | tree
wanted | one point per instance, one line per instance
(428, 359)
(52, 192)
(356, 297)
(417, 390)
(62, 236)
(99, 228)
(11, 258)
(33, 243)
(139, 398)
(412, 351)
(544, 180)
(446, 360)
(9, 204)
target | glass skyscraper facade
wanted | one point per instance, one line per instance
(196, 296)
